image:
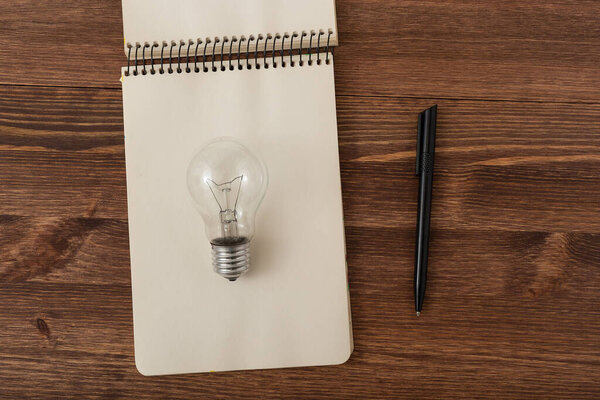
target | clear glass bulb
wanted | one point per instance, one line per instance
(227, 183)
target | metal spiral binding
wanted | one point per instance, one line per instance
(219, 51)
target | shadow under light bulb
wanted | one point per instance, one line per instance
(227, 183)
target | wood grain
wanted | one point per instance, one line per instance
(461, 49)
(62, 152)
(514, 280)
(516, 211)
(499, 165)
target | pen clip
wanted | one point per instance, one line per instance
(420, 137)
(425, 136)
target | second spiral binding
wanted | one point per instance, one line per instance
(222, 54)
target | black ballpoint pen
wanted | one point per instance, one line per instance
(425, 155)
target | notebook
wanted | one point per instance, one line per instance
(260, 71)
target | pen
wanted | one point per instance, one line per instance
(425, 155)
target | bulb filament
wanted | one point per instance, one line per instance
(226, 195)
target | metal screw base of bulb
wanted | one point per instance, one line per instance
(231, 260)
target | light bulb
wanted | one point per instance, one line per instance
(227, 183)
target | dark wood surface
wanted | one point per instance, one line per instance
(513, 299)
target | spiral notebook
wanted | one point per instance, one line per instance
(260, 71)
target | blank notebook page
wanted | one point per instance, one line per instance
(145, 20)
(292, 307)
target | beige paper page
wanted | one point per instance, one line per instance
(292, 307)
(166, 20)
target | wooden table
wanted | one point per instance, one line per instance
(512, 307)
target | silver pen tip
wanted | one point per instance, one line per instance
(418, 313)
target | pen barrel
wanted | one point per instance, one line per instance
(426, 130)
(423, 222)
